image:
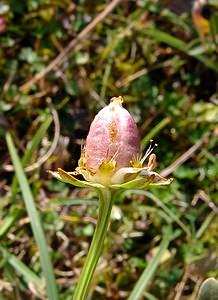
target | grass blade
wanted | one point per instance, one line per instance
(35, 222)
(154, 131)
(9, 221)
(172, 216)
(168, 39)
(174, 42)
(29, 276)
(37, 138)
(205, 224)
(148, 273)
(150, 296)
(73, 201)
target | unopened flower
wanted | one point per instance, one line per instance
(2, 24)
(110, 161)
(111, 156)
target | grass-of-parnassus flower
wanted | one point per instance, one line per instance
(110, 162)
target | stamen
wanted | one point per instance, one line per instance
(136, 161)
(83, 149)
(115, 154)
(136, 157)
(149, 150)
(82, 146)
(113, 158)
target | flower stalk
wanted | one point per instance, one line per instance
(95, 250)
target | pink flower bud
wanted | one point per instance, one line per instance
(2, 24)
(111, 157)
(113, 137)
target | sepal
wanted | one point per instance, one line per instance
(69, 178)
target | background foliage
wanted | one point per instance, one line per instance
(167, 75)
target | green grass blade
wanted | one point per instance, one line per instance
(168, 39)
(35, 222)
(73, 201)
(37, 138)
(174, 42)
(149, 271)
(154, 131)
(149, 296)
(9, 221)
(205, 224)
(29, 276)
(159, 203)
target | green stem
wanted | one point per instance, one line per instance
(105, 206)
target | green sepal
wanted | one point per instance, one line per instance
(68, 178)
(163, 182)
(135, 183)
(142, 182)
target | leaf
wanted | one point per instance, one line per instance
(209, 290)
(171, 215)
(36, 140)
(148, 273)
(29, 276)
(9, 221)
(34, 221)
(154, 131)
(174, 42)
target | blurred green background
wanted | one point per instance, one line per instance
(161, 56)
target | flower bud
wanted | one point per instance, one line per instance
(113, 137)
(111, 156)
(2, 24)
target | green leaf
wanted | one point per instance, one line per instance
(34, 221)
(29, 276)
(148, 273)
(154, 131)
(209, 290)
(36, 140)
(174, 42)
(73, 201)
(9, 221)
(172, 216)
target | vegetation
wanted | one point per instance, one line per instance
(166, 72)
